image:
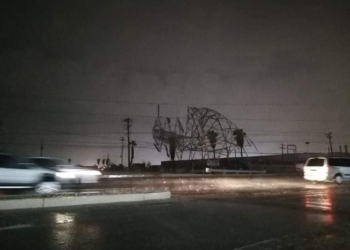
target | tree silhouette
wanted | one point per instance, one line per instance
(172, 145)
(239, 138)
(98, 161)
(212, 136)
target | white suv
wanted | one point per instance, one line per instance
(14, 174)
(327, 169)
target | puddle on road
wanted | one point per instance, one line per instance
(320, 200)
(68, 231)
(63, 218)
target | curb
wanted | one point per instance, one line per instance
(80, 200)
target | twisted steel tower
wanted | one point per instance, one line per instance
(208, 135)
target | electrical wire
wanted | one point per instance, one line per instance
(53, 112)
(11, 96)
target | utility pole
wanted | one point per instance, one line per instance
(329, 136)
(41, 147)
(133, 144)
(122, 154)
(282, 147)
(307, 146)
(128, 125)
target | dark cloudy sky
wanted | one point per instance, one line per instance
(71, 69)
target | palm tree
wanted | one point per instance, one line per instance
(241, 137)
(172, 145)
(212, 136)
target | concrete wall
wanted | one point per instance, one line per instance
(64, 201)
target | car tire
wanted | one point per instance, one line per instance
(338, 179)
(47, 185)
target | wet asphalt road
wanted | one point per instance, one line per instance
(180, 184)
(238, 218)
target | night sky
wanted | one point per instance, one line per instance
(71, 71)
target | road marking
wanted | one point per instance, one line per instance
(265, 241)
(16, 227)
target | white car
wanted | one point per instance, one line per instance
(15, 174)
(67, 173)
(327, 169)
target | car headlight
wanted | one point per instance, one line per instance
(66, 175)
(91, 172)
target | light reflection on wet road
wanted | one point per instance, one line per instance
(320, 199)
(221, 218)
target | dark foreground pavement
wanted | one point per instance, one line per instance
(309, 217)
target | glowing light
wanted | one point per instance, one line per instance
(63, 218)
(66, 175)
(318, 200)
(90, 172)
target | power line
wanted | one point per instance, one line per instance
(140, 133)
(55, 112)
(108, 143)
(57, 132)
(272, 133)
(266, 142)
(11, 96)
(62, 145)
(51, 112)
(91, 147)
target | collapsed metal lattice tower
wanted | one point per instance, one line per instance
(208, 135)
